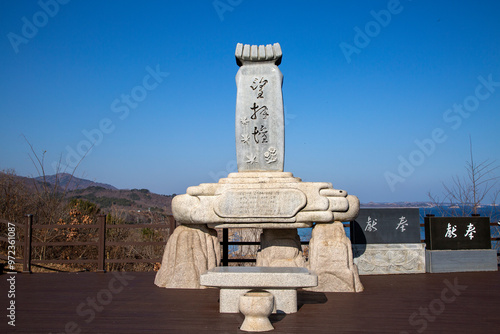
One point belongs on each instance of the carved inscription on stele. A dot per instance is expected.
(260, 203)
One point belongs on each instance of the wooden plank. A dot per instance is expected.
(77, 226)
(65, 261)
(131, 303)
(6, 258)
(64, 243)
(125, 260)
(65, 226)
(6, 222)
(133, 260)
(135, 243)
(132, 226)
(166, 225)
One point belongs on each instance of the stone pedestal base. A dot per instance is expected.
(282, 282)
(381, 259)
(330, 257)
(280, 248)
(190, 251)
(448, 261)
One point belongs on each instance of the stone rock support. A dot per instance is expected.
(280, 248)
(330, 257)
(190, 251)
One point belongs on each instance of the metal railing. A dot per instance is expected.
(101, 243)
(226, 243)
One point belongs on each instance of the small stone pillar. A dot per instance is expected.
(190, 252)
(330, 257)
(260, 122)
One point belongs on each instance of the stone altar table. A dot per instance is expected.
(282, 282)
(260, 194)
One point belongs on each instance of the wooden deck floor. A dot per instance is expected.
(131, 303)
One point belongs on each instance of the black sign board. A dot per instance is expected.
(452, 233)
(386, 226)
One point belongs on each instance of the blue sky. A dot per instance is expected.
(380, 96)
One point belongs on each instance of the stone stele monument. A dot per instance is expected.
(262, 195)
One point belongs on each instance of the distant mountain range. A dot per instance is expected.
(131, 202)
(69, 182)
(136, 205)
(397, 205)
(139, 200)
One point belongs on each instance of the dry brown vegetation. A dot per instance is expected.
(52, 204)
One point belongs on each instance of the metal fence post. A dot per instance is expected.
(172, 224)
(101, 257)
(225, 246)
(27, 245)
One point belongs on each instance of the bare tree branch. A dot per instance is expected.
(468, 193)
